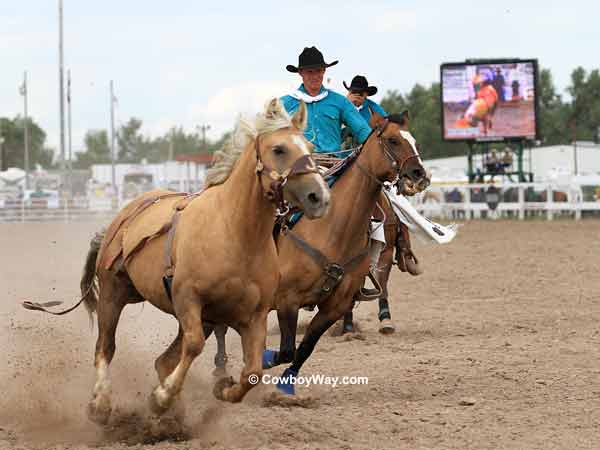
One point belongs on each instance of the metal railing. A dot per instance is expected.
(56, 210)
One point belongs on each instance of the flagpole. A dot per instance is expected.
(26, 129)
(112, 137)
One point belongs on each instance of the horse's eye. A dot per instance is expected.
(279, 150)
(394, 141)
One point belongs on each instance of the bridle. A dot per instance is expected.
(302, 166)
(397, 164)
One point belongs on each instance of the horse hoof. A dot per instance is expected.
(386, 327)
(269, 359)
(348, 328)
(220, 387)
(287, 381)
(99, 410)
(160, 401)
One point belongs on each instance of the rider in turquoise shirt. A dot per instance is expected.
(358, 91)
(327, 110)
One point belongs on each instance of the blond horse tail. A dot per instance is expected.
(89, 280)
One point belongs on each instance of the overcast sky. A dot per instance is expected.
(194, 62)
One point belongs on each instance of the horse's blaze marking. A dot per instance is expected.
(300, 142)
(413, 143)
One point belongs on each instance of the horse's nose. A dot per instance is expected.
(317, 200)
(418, 174)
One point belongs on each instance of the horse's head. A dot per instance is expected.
(401, 149)
(284, 161)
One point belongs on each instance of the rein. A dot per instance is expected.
(397, 164)
(302, 166)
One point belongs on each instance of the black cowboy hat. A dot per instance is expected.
(360, 83)
(310, 58)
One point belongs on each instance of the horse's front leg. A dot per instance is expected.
(188, 311)
(254, 335)
(328, 314)
(287, 315)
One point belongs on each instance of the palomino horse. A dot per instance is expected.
(341, 238)
(225, 260)
(324, 262)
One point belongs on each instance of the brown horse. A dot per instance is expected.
(224, 256)
(397, 239)
(324, 262)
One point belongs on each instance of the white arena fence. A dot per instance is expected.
(58, 210)
(448, 201)
(516, 200)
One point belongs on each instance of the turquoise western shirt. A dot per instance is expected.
(325, 119)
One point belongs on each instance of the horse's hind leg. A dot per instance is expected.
(348, 325)
(221, 356)
(386, 325)
(112, 299)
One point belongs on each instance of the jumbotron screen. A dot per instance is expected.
(487, 101)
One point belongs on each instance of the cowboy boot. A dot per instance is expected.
(405, 258)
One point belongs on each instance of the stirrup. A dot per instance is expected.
(370, 294)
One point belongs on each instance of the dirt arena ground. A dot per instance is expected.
(497, 347)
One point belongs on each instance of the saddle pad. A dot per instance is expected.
(150, 222)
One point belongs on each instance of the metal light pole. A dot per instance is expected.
(61, 94)
(24, 93)
(1, 152)
(204, 128)
(69, 128)
(574, 131)
(112, 137)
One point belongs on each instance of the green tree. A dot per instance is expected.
(97, 150)
(553, 113)
(131, 143)
(13, 148)
(423, 105)
(585, 103)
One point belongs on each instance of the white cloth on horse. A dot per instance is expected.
(421, 226)
(299, 95)
(377, 231)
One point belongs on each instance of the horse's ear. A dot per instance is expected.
(405, 116)
(300, 118)
(273, 108)
(376, 120)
